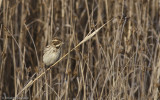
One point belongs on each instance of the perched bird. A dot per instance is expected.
(52, 52)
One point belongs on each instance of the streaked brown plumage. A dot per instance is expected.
(52, 52)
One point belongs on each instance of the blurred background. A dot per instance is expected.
(122, 61)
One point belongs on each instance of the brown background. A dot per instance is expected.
(121, 62)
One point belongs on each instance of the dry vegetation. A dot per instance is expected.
(122, 61)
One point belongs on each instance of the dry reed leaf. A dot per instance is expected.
(0, 3)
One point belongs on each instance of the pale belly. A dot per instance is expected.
(50, 59)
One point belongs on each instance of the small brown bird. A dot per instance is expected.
(52, 52)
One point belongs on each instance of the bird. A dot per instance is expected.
(52, 52)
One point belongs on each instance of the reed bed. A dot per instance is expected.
(111, 49)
